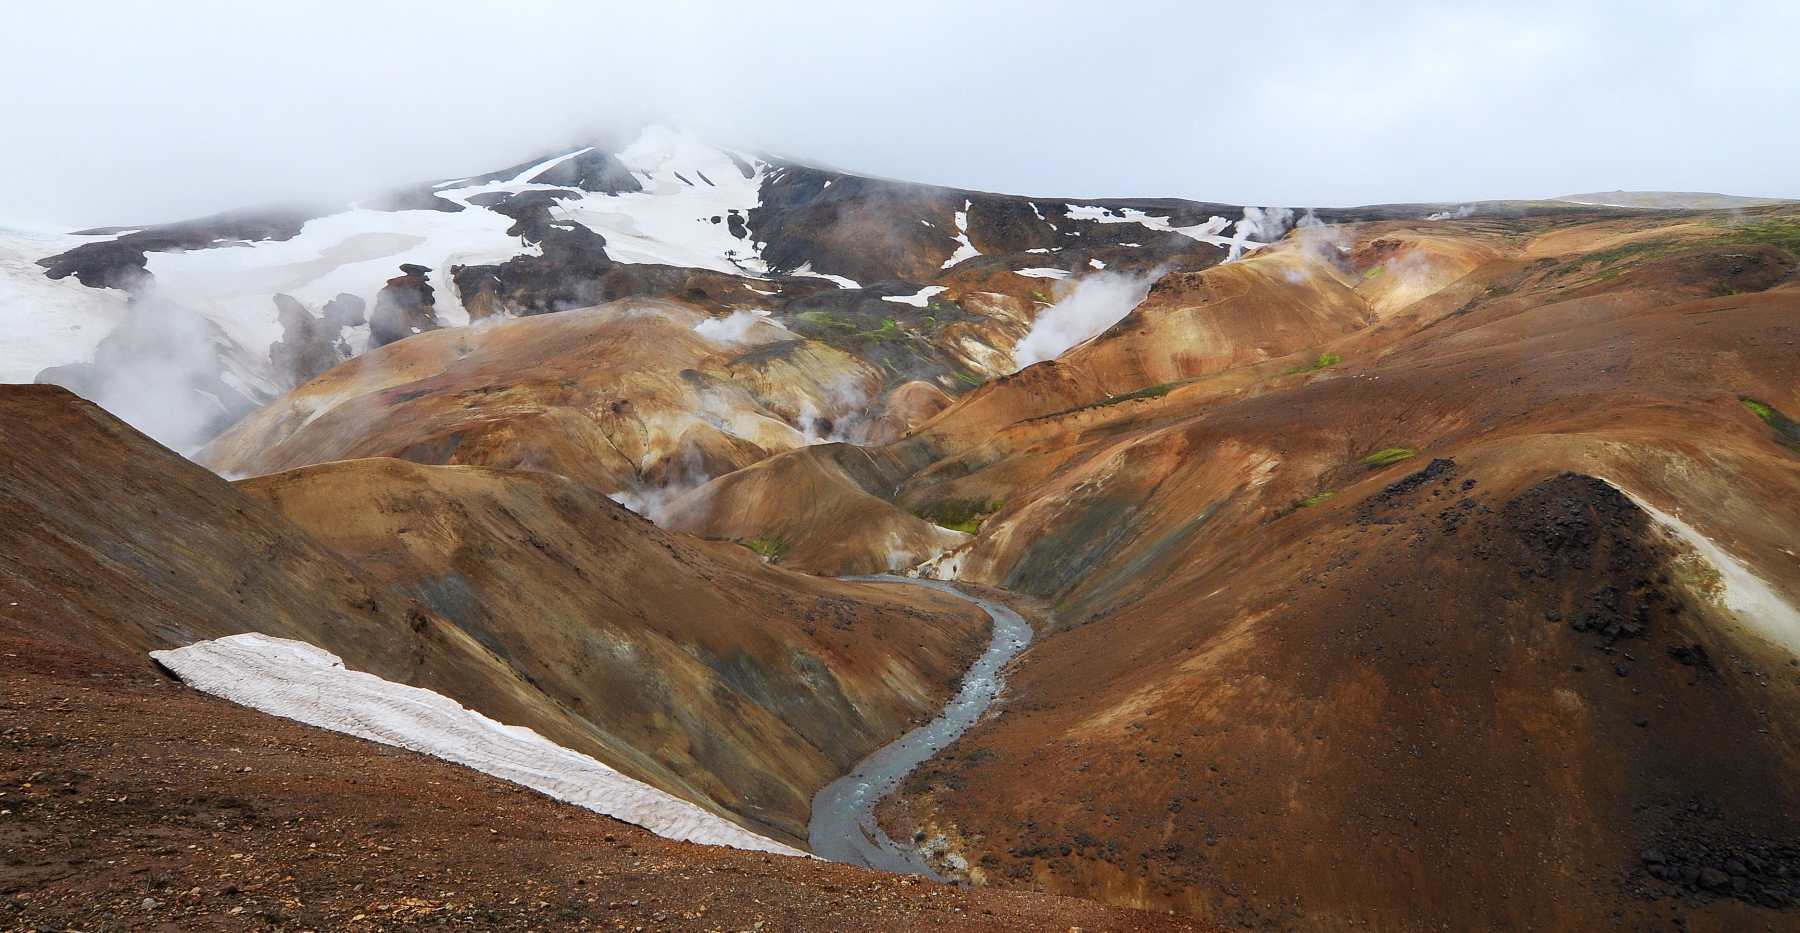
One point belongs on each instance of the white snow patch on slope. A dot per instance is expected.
(355, 251)
(48, 322)
(1743, 592)
(964, 249)
(671, 220)
(806, 269)
(295, 680)
(1043, 273)
(1208, 232)
(919, 300)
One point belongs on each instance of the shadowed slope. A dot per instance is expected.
(757, 685)
(691, 667)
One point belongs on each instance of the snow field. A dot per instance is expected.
(298, 681)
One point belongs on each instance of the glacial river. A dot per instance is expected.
(843, 826)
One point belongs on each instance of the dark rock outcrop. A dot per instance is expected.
(120, 262)
(404, 307)
(310, 345)
(594, 170)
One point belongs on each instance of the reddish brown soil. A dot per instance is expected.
(120, 788)
(1388, 707)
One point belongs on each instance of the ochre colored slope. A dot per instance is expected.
(1384, 713)
(627, 396)
(756, 685)
(1487, 691)
(118, 546)
(690, 666)
(817, 510)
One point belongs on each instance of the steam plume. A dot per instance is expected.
(1090, 306)
(1259, 226)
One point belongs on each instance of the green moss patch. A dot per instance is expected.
(771, 548)
(1388, 457)
(965, 516)
(1787, 431)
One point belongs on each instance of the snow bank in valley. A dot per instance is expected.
(295, 680)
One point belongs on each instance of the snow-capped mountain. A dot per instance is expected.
(211, 317)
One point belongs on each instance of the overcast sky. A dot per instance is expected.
(123, 113)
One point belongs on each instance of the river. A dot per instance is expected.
(843, 826)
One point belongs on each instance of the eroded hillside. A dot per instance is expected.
(693, 667)
(1422, 568)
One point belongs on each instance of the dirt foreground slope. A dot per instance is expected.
(131, 802)
(687, 665)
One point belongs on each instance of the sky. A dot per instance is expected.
(132, 113)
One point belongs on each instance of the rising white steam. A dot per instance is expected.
(733, 328)
(1086, 309)
(652, 495)
(1259, 227)
(168, 371)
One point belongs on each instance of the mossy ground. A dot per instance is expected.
(1388, 457)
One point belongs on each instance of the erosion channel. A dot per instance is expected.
(843, 826)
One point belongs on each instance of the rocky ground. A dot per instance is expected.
(131, 802)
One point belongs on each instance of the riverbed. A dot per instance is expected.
(843, 827)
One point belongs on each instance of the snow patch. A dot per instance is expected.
(1208, 232)
(295, 680)
(1742, 591)
(806, 269)
(1043, 273)
(964, 249)
(919, 300)
(49, 322)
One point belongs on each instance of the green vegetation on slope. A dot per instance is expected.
(1324, 360)
(965, 517)
(1388, 457)
(771, 549)
(1787, 430)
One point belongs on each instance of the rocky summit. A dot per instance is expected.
(1407, 567)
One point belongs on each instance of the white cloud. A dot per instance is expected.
(131, 112)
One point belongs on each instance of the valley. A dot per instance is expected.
(1412, 566)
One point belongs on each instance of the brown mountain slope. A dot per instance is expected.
(623, 397)
(820, 510)
(1378, 660)
(1403, 711)
(757, 686)
(564, 612)
(118, 546)
(118, 785)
